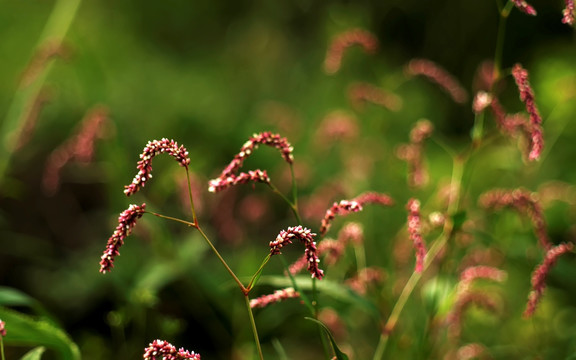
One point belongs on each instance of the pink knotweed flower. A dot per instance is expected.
(437, 74)
(343, 41)
(277, 296)
(2, 328)
(163, 350)
(360, 93)
(471, 351)
(527, 96)
(524, 7)
(525, 203)
(413, 153)
(365, 277)
(153, 148)
(351, 232)
(219, 184)
(126, 222)
(414, 230)
(264, 138)
(463, 301)
(79, 147)
(481, 101)
(343, 207)
(374, 198)
(305, 236)
(472, 273)
(539, 276)
(337, 125)
(568, 13)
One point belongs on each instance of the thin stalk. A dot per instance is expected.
(242, 287)
(194, 220)
(55, 30)
(253, 325)
(172, 218)
(290, 203)
(439, 243)
(500, 41)
(256, 275)
(2, 348)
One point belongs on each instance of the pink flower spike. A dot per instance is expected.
(219, 184)
(305, 236)
(360, 93)
(277, 296)
(342, 208)
(539, 276)
(568, 13)
(2, 328)
(527, 96)
(374, 198)
(414, 229)
(437, 74)
(343, 41)
(479, 272)
(126, 222)
(163, 350)
(153, 148)
(524, 7)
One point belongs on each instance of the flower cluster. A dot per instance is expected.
(360, 93)
(364, 278)
(371, 197)
(539, 275)
(2, 328)
(126, 222)
(305, 236)
(338, 208)
(413, 153)
(144, 166)
(335, 52)
(229, 176)
(527, 96)
(568, 13)
(525, 203)
(414, 230)
(163, 350)
(277, 296)
(463, 301)
(479, 272)
(79, 147)
(436, 74)
(524, 7)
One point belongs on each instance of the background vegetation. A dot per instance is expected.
(209, 74)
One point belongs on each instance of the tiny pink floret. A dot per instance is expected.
(307, 238)
(144, 166)
(163, 350)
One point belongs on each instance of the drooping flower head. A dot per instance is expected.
(343, 41)
(303, 234)
(343, 207)
(153, 148)
(277, 296)
(437, 74)
(525, 7)
(230, 176)
(568, 13)
(525, 203)
(163, 350)
(360, 93)
(413, 153)
(126, 222)
(540, 274)
(527, 96)
(2, 328)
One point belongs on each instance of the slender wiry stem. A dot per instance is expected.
(253, 325)
(191, 197)
(242, 287)
(439, 243)
(504, 12)
(2, 348)
(172, 218)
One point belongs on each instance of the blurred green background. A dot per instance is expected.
(208, 74)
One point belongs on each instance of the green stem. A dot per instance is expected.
(54, 32)
(500, 41)
(439, 243)
(242, 287)
(172, 218)
(2, 347)
(194, 220)
(253, 325)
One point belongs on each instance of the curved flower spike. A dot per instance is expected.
(144, 166)
(163, 350)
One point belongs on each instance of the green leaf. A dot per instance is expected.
(27, 331)
(13, 297)
(339, 354)
(34, 354)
